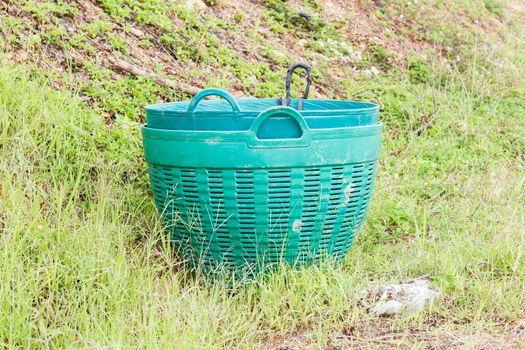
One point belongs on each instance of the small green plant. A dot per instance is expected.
(495, 7)
(117, 42)
(96, 28)
(43, 10)
(380, 56)
(12, 28)
(55, 35)
(116, 9)
(214, 3)
(418, 70)
(239, 16)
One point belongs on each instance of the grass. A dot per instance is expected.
(84, 262)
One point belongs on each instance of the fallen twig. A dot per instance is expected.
(130, 68)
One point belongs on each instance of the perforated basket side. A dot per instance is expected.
(238, 219)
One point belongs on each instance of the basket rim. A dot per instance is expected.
(166, 108)
(240, 135)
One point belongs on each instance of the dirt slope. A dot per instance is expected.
(243, 45)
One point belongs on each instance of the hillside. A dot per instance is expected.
(84, 261)
(244, 46)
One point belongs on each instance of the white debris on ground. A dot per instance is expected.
(370, 73)
(405, 298)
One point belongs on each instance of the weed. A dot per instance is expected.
(494, 7)
(213, 3)
(96, 28)
(379, 55)
(418, 70)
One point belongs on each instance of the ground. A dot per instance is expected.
(84, 261)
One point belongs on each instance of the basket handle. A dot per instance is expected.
(213, 92)
(302, 141)
(289, 73)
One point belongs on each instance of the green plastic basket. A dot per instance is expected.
(236, 203)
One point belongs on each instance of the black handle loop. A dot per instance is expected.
(289, 79)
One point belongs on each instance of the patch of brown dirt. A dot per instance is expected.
(298, 340)
(380, 334)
